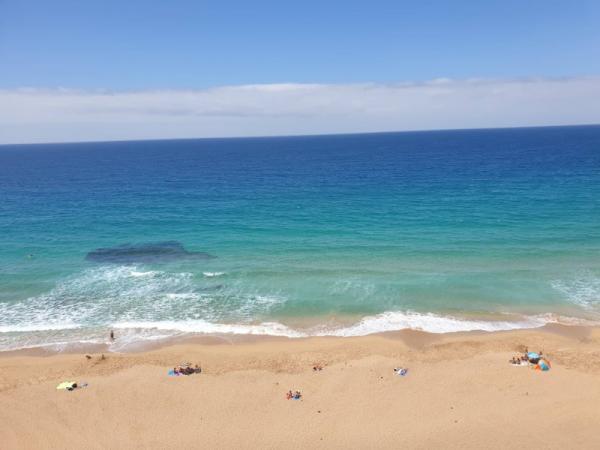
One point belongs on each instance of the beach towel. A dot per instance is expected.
(173, 374)
(401, 371)
(66, 385)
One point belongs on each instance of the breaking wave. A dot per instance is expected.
(148, 305)
(582, 290)
(213, 274)
(99, 297)
(388, 321)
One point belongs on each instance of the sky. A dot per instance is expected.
(103, 70)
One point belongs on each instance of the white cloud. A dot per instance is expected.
(51, 115)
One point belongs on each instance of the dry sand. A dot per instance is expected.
(460, 392)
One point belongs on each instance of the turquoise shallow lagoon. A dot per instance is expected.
(344, 235)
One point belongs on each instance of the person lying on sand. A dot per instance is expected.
(317, 367)
(186, 369)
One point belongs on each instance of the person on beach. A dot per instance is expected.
(112, 335)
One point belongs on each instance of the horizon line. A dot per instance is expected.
(308, 135)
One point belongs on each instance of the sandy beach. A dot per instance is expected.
(460, 392)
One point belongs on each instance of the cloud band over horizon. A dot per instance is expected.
(34, 115)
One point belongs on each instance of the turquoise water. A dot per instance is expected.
(345, 235)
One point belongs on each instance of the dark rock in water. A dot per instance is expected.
(144, 253)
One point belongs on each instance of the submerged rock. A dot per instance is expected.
(145, 253)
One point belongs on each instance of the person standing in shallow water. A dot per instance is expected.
(112, 335)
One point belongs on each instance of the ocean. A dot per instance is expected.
(339, 235)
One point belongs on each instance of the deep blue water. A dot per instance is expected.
(343, 234)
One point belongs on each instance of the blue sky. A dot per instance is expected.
(131, 44)
(90, 70)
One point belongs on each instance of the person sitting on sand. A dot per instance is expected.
(289, 395)
(197, 369)
(297, 395)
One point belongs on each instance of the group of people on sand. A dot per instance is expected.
(293, 395)
(519, 360)
(186, 369)
(526, 358)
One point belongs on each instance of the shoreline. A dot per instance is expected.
(410, 339)
(460, 392)
(138, 337)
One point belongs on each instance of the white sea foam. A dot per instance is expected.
(213, 274)
(149, 273)
(152, 304)
(96, 298)
(388, 321)
(582, 290)
(202, 326)
(432, 323)
(38, 327)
